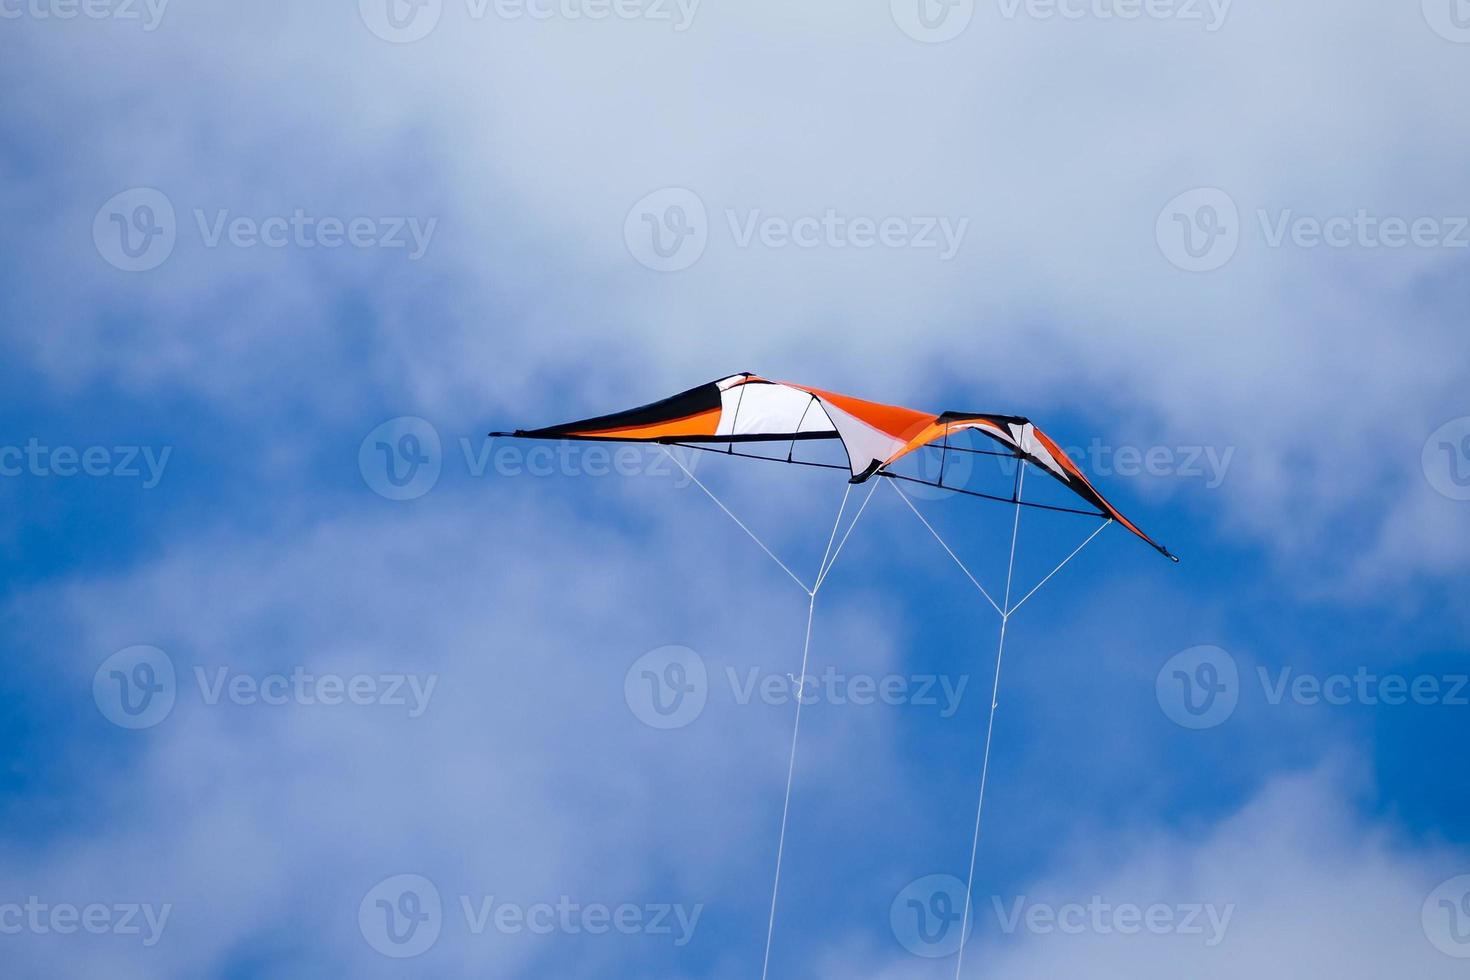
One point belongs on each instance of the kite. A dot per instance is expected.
(745, 410)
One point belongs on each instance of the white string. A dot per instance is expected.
(1000, 650)
(806, 646)
(822, 569)
(737, 520)
(827, 565)
(947, 548)
(1049, 574)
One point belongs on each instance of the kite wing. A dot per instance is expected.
(747, 408)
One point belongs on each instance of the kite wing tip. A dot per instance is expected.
(1168, 554)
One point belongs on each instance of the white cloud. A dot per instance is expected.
(528, 778)
(1299, 883)
(1060, 141)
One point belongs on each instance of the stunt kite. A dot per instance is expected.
(746, 409)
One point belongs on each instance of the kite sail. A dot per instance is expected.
(745, 408)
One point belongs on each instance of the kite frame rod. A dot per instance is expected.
(990, 496)
(962, 449)
(769, 459)
(908, 479)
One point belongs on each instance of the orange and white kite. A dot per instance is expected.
(744, 408)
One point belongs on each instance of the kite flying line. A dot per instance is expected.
(829, 559)
(744, 408)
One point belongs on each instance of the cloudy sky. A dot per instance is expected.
(305, 676)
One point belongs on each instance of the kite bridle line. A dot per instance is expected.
(1005, 609)
(829, 560)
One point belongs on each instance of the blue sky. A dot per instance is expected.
(1217, 237)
